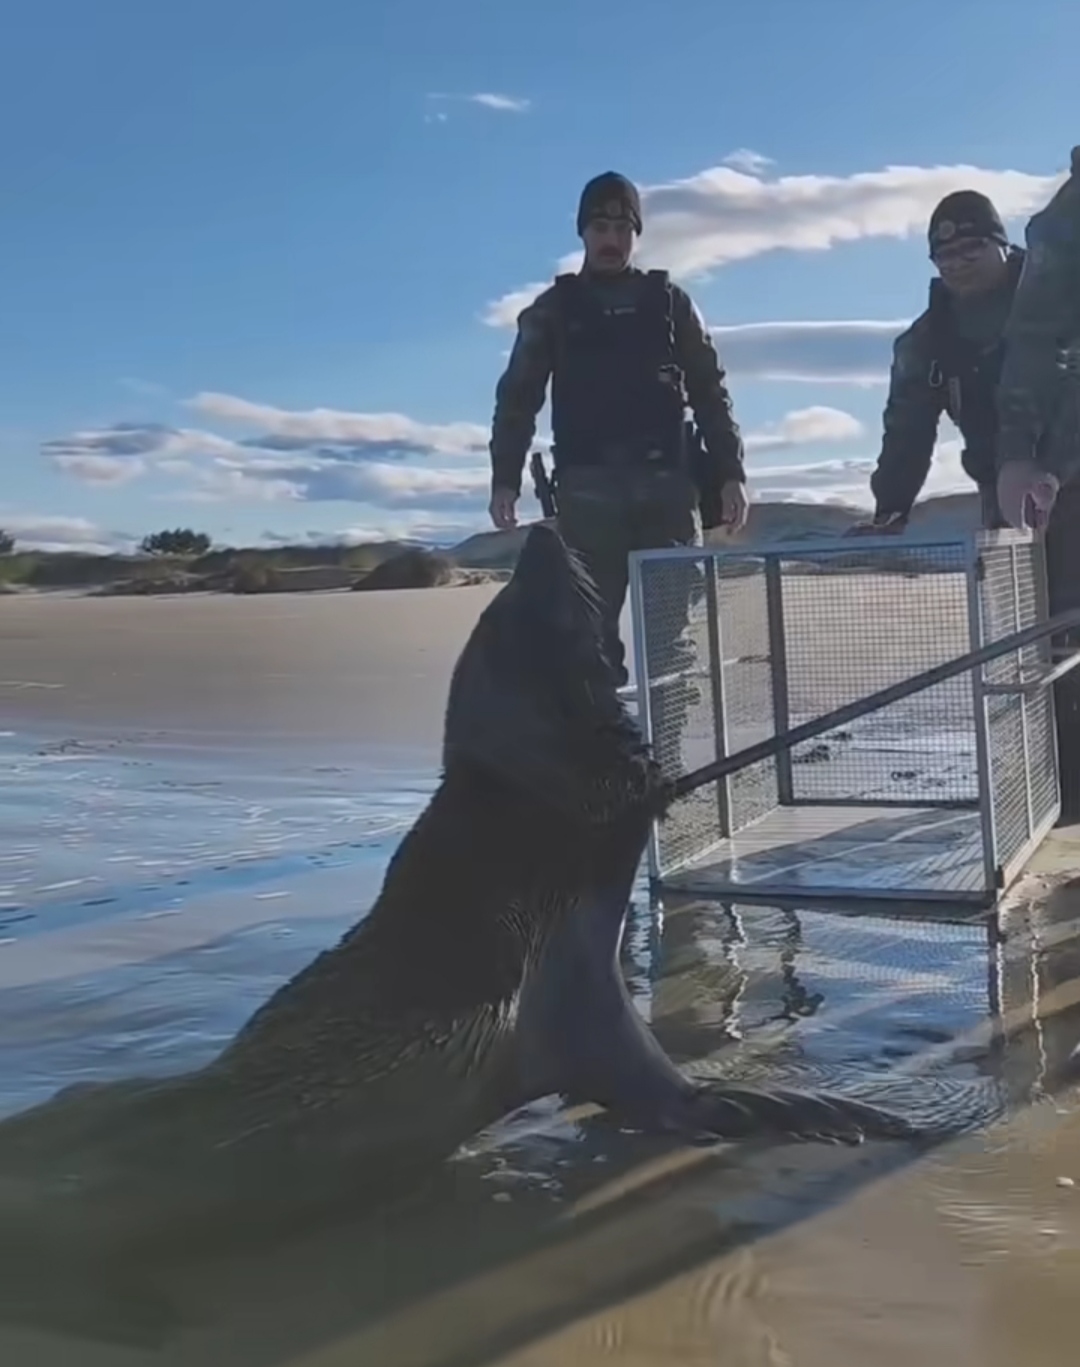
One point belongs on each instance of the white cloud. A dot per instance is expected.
(843, 351)
(402, 526)
(752, 163)
(112, 455)
(95, 469)
(45, 532)
(506, 103)
(804, 427)
(230, 485)
(389, 463)
(503, 312)
(848, 481)
(723, 215)
(285, 429)
(503, 104)
(333, 480)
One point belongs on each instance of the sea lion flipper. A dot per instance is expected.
(94, 1304)
(732, 1112)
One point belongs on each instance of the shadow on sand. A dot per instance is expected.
(559, 1214)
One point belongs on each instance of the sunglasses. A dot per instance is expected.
(968, 249)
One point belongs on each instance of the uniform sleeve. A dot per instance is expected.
(1044, 318)
(909, 424)
(520, 393)
(706, 388)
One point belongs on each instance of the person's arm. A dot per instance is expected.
(519, 395)
(707, 390)
(909, 426)
(1043, 322)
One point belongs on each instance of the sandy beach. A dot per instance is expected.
(316, 670)
(193, 814)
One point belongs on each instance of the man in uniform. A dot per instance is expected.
(627, 353)
(948, 361)
(1039, 394)
(1038, 398)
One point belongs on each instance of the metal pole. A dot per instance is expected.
(976, 580)
(714, 637)
(778, 676)
(644, 697)
(1025, 736)
(766, 749)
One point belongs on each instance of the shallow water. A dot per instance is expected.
(151, 897)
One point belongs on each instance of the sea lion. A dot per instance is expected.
(486, 975)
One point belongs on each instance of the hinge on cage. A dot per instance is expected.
(980, 567)
(999, 877)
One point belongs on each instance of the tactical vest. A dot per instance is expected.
(968, 375)
(618, 393)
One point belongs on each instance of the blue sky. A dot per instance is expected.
(259, 262)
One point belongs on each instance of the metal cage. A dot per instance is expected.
(942, 796)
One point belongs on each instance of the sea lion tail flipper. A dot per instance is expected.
(732, 1112)
(90, 1303)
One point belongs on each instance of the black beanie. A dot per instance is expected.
(965, 213)
(603, 191)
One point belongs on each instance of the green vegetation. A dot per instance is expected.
(181, 561)
(180, 541)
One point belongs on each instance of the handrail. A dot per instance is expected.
(766, 749)
(1038, 679)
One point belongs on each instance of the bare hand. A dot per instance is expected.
(734, 505)
(891, 524)
(503, 509)
(1026, 495)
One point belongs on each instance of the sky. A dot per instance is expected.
(260, 261)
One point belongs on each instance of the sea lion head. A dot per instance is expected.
(534, 693)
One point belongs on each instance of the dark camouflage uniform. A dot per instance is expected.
(607, 509)
(1039, 391)
(922, 389)
(1039, 420)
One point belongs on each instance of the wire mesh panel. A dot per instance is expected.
(1019, 717)
(750, 706)
(855, 622)
(679, 694)
(925, 798)
(706, 675)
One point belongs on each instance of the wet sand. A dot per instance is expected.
(326, 668)
(583, 1248)
(660, 1256)
(317, 670)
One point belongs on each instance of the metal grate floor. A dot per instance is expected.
(913, 853)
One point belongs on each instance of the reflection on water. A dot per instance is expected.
(148, 904)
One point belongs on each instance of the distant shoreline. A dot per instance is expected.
(486, 557)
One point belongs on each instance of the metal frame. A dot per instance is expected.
(971, 546)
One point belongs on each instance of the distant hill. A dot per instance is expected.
(306, 568)
(490, 550)
(767, 523)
